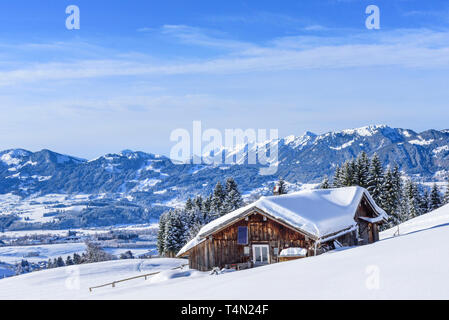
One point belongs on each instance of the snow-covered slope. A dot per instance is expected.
(412, 266)
(74, 282)
(430, 220)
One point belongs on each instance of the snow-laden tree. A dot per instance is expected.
(425, 202)
(207, 204)
(436, 200)
(337, 182)
(233, 198)
(198, 203)
(69, 261)
(189, 204)
(388, 196)
(23, 267)
(161, 233)
(281, 187)
(77, 259)
(95, 253)
(361, 168)
(347, 173)
(376, 179)
(175, 233)
(233, 201)
(218, 199)
(412, 199)
(325, 184)
(446, 195)
(60, 262)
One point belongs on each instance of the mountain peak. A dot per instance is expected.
(127, 151)
(310, 134)
(364, 131)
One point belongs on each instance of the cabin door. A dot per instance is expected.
(371, 233)
(261, 254)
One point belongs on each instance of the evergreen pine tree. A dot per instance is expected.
(175, 233)
(198, 203)
(94, 253)
(325, 184)
(60, 262)
(207, 204)
(376, 179)
(392, 195)
(189, 204)
(282, 187)
(361, 174)
(233, 198)
(161, 234)
(69, 261)
(337, 182)
(347, 173)
(77, 258)
(425, 202)
(388, 199)
(218, 199)
(411, 200)
(446, 195)
(435, 198)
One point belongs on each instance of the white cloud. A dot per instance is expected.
(401, 48)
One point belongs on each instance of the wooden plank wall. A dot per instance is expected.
(222, 249)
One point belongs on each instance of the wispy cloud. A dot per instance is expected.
(401, 48)
(203, 37)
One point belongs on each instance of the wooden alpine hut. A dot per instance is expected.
(285, 227)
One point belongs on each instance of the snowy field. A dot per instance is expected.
(413, 265)
(80, 232)
(33, 209)
(74, 282)
(435, 218)
(39, 253)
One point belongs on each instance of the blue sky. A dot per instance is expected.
(136, 70)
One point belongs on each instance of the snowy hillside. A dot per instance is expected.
(412, 266)
(74, 282)
(436, 218)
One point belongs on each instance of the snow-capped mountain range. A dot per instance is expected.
(152, 181)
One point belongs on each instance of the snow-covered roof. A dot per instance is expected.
(318, 213)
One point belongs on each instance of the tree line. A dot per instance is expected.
(401, 198)
(178, 226)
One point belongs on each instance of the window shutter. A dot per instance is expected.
(242, 235)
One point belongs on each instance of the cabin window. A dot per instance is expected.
(246, 251)
(242, 235)
(261, 254)
(276, 251)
